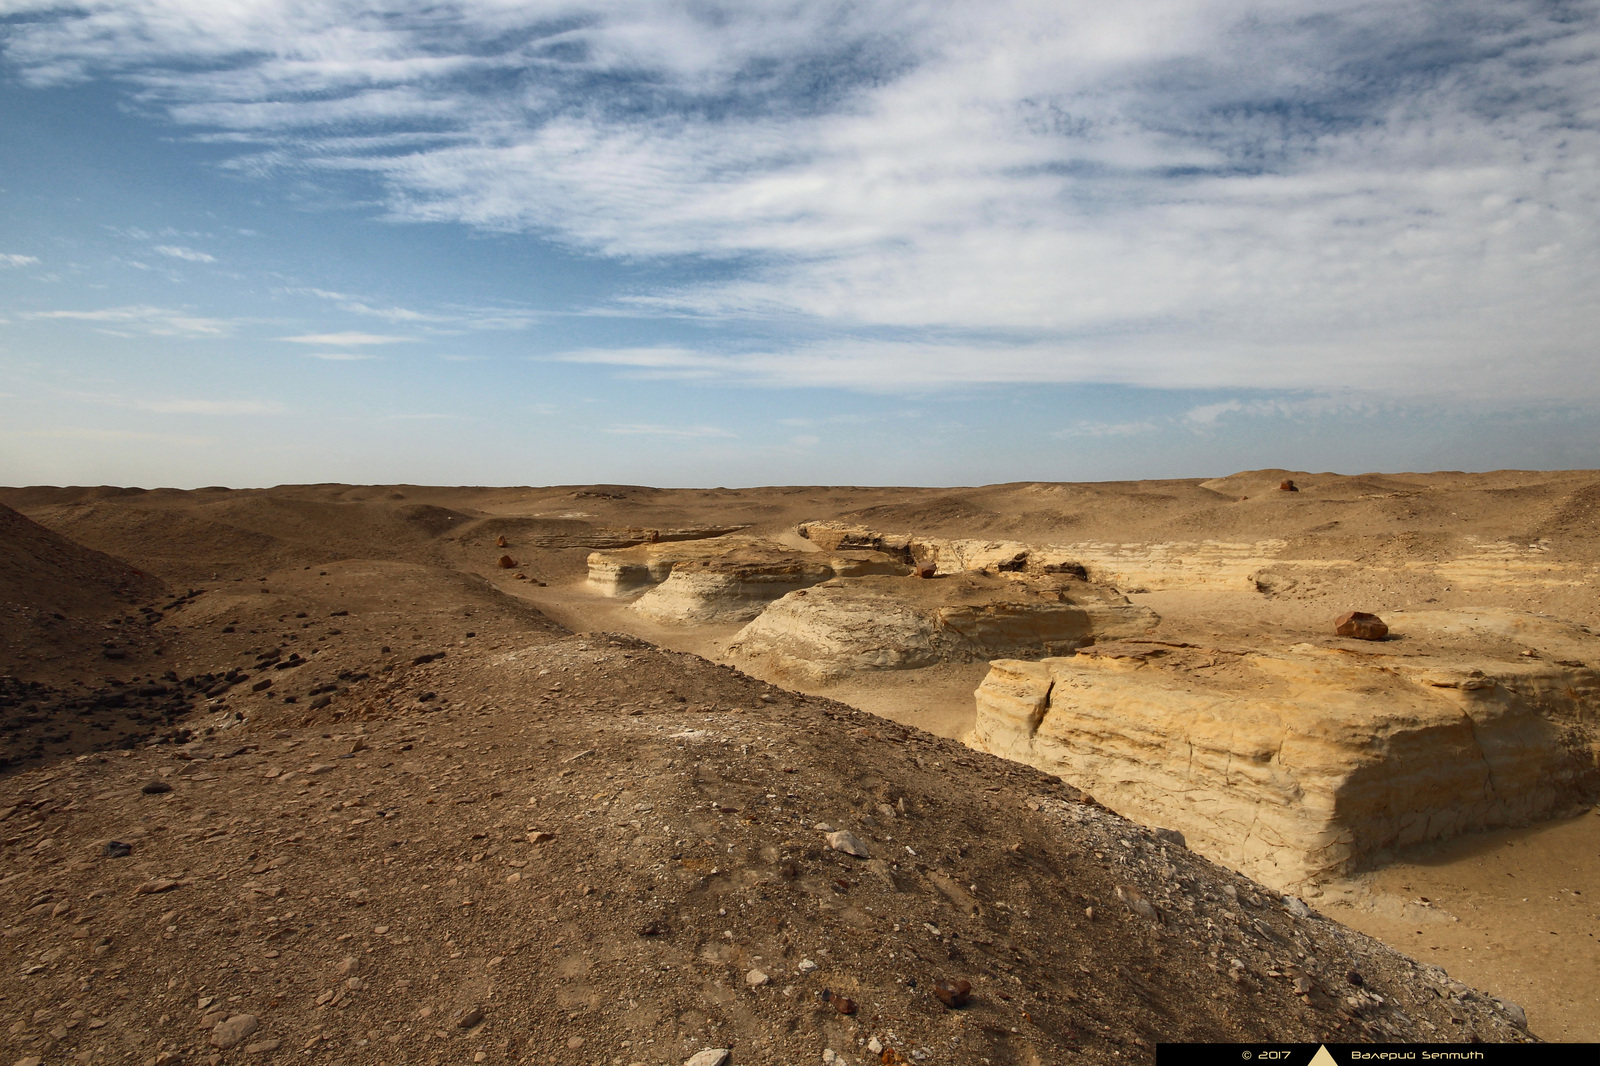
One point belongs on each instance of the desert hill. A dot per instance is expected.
(433, 786)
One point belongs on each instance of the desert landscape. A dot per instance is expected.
(608, 774)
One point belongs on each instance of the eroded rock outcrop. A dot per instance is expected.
(880, 623)
(1300, 765)
(730, 579)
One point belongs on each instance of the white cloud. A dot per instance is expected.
(189, 254)
(341, 357)
(179, 405)
(1105, 429)
(349, 338)
(86, 433)
(668, 432)
(154, 321)
(11, 259)
(1211, 193)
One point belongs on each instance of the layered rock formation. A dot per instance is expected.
(729, 579)
(1267, 565)
(1301, 765)
(883, 623)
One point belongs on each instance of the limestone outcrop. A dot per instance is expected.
(726, 580)
(847, 625)
(1270, 565)
(1300, 765)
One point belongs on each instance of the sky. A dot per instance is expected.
(254, 242)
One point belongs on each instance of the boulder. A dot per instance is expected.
(507, 563)
(1288, 486)
(840, 627)
(1360, 625)
(1300, 765)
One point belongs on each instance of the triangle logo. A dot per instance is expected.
(1323, 1057)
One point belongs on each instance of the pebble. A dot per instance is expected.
(875, 1046)
(160, 884)
(1296, 907)
(232, 1033)
(711, 1056)
(849, 843)
(953, 994)
(755, 978)
(260, 1047)
(574, 1042)
(472, 1017)
(807, 966)
(1135, 901)
(156, 788)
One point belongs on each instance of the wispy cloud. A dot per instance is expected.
(341, 357)
(178, 405)
(1105, 429)
(11, 259)
(668, 432)
(1216, 193)
(349, 338)
(188, 254)
(113, 435)
(154, 321)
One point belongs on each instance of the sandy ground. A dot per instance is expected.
(1517, 911)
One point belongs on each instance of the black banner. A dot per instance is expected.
(1376, 1054)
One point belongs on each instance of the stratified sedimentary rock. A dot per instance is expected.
(882, 623)
(730, 579)
(1300, 765)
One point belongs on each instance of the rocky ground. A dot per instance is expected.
(365, 798)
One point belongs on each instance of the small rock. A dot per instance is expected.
(1288, 486)
(1360, 625)
(262, 685)
(875, 1046)
(500, 541)
(1518, 1016)
(1296, 907)
(844, 1005)
(953, 994)
(160, 884)
(540, 837)
(574, 1042)
(261, 1047)
(116, 849)
(471, 1018)
(1088, 912)
(711, 1056)
(1170, 836)
(1135, 902)
(1302, 986)
(823, 827)
(849, 843)
(156, 788)
(348, 965)
(807, 966)
(318, 768)
(507, 563)
(755, 979)
(232, 1033)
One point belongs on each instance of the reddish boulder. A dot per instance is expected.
(500, 541)
(1288, 486)
(507, 563)
(1360, 625)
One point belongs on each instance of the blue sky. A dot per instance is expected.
(270, 241)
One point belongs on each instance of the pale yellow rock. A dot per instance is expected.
(730, 579)
(849, 625)
(1300, 765)
(1204, 565)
